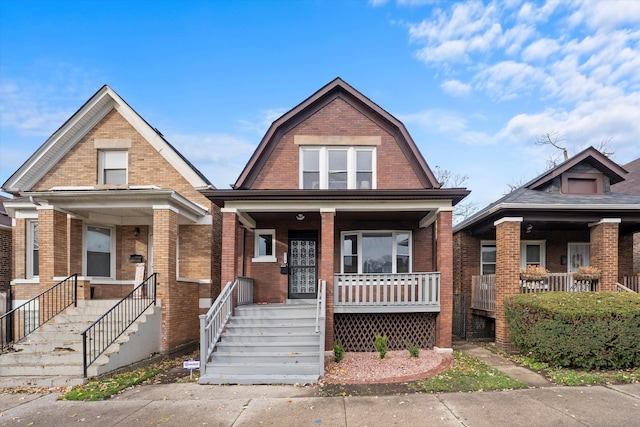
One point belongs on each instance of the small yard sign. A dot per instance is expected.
(191, 365)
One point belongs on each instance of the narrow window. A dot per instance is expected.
(402, 252)
(98, 241)
(310, 169)
(364, 169)
(33, 257)
(350, 253)
(338, 169)
(112, 167)
(488, 258)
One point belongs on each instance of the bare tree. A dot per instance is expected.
(446, 178)
(603, 147)
(553, 138)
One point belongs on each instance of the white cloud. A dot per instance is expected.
(219, 157)
(260, 125)
(508, 79)
(456, 87)
(605, 14)
(540, 50)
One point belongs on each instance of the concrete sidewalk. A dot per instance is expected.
(190, 404)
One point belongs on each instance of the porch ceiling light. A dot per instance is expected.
(136, 231)
(300, 217)
(529, 228)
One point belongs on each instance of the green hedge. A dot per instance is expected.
(589, 330)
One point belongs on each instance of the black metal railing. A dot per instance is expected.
(21, 321)
(106, 330)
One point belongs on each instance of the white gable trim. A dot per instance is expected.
(85, 119)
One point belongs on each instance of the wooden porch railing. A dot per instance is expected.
(632, 282)
(483, 288)
(403, 292)
(483, 292)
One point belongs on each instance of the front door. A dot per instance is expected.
(303, 264)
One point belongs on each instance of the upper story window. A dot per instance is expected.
(112, 167)
(337, 168)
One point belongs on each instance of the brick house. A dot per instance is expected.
(338, 192)
(631, 185)
(566, 218)
(5, 247)
(105, 197)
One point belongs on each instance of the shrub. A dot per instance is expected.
(381, 345)
(338, 352)
(413, 350)
(586, 330)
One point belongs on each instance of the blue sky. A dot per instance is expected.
(475, 83)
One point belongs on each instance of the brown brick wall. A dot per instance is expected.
(604, 254)
(146, 166)
(5, 258)
(445, 267)
(19, 249)
(507, 275)
(625, 256)
(336, 118)
(327, 267)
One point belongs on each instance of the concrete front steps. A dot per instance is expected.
(52, 355)
(267, 344)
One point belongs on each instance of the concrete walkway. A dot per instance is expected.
(517, 372)
(190, 404)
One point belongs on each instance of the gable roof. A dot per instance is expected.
(590, 155)
(529, 198)
(81, 122)
(337, 88)
(631, 184)
(5, 221)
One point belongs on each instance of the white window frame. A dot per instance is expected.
(31, 224)
(351, 165)
(112, 250)
(257, 257)
(394, 250)
(523, 252)
(484, 243)
(102, 166)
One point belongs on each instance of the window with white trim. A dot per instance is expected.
(33, 250)
(578, 254)
(264, 245)
(488, 257)
(112, 167)
(99, 244)
(532, 252)
(376, 252)
(337, 168)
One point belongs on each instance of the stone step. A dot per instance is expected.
(265, 368)
(232, 357)
(257, 379)
(48, 382)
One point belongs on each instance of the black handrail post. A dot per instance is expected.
(75, 290)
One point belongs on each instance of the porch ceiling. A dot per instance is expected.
(313, 216)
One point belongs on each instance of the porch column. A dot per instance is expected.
(52, 237)
(444, 258)
(604, 251)
(230, 245)
(180, 308)
(326, 270)
(507, 273)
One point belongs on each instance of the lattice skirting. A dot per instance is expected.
(356, 332)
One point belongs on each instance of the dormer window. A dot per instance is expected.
(112, 166)
(337, 168)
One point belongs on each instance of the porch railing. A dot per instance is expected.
(632, 282)
(386, 292)
(483, 292)
(321, 314)
(213, 323)
(106, 330)
(21, 321)
(618, 287)
(483, 288)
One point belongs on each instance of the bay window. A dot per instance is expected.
(376, 252)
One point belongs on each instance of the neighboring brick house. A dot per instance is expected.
(103, 193)
(338, 191)
(566, 218)
(5, 248)
(631, 185)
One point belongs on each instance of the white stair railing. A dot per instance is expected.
(321, 314)
(213, 323)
